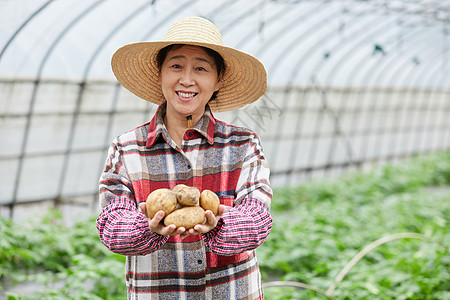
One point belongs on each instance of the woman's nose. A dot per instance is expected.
(187, 78)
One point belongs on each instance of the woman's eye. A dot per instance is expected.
(201, 69)
(176, 66)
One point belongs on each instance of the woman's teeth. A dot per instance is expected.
(186, 95)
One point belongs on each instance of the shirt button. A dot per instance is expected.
(189, 167)
(199, 261)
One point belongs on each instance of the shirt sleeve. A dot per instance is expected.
(247, 224)
(121, 226)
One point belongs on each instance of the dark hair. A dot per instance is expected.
(218, 60)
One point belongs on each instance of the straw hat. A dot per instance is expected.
(244, 80)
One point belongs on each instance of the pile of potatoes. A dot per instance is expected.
(183, 206)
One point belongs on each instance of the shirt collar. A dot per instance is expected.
(157, 127)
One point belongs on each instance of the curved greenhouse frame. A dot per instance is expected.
(351, 83)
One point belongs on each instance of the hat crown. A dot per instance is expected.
(194, 29)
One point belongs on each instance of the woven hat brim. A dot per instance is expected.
(244, 80)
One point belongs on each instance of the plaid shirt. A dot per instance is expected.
(220, 264)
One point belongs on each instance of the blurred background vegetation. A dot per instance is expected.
(318, 228)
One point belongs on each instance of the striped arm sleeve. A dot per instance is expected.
(247, 224)
(241, 228)
(125, 231)
(121, 226)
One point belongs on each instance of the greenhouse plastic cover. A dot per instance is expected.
(350, 83)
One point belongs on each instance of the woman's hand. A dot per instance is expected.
(156, 225)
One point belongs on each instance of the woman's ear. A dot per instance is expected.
(218, 84)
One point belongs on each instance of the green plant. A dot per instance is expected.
(71, 261)
(321, 225)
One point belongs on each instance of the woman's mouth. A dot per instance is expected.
(186, 95)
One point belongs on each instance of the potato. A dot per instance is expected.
(210, 201)
(161, 199)
(186, 217)
(186, 195)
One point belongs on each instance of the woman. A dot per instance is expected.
(189, 75)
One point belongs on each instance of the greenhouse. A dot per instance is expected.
(355, 120)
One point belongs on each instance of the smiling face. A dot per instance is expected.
(188, 79)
